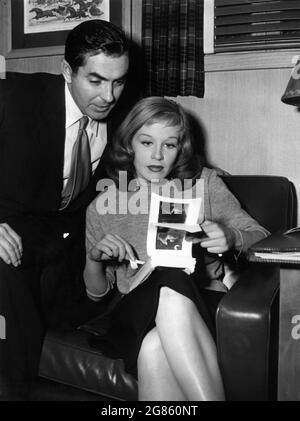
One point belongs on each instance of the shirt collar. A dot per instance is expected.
(73, 113)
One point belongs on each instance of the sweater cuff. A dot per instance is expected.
(97, 297)
(238, 242)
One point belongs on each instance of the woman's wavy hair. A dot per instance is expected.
(146, 112)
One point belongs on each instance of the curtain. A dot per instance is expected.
(172, 40)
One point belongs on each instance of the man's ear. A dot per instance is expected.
(66, 71)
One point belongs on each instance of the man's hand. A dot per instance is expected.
(112, 246)
(219, 238)
(10, 245)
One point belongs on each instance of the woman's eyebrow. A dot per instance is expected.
(148, 135)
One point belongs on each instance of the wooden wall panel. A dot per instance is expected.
(49, 64)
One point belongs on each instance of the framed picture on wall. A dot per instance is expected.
(39, 27)
(42, 16)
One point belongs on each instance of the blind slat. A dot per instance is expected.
(263, 45)
(264, 39)
(220, 3)
(251, 17)
(255, 8)
(244, 29)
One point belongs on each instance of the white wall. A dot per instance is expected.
(248, 129)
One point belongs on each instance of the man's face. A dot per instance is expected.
(98, 84)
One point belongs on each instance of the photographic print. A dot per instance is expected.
(61, 15)
(163, 237)
(172, 212)
(166, 242)
(169, 239)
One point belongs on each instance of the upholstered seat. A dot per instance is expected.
(69, 359)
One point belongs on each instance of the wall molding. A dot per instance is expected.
(250, 60)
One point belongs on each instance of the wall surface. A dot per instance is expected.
(248, 130)
(48, 64)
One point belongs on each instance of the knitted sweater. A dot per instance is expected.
(219, 206)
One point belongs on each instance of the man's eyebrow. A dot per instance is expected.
(97, 75)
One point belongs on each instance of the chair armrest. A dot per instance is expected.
(244, 321)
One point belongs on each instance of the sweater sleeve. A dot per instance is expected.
(226, 210)
(93, 234)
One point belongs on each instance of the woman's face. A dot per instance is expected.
(155, 148)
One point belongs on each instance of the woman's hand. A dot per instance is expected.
(112, 246)
(11, 248)
(219, 237)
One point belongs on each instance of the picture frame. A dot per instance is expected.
(14, 43)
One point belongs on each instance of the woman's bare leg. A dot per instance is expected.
(155, 378)
(189, 347)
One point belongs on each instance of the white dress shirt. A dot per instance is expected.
(96, 131)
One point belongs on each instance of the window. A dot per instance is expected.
(245, 25)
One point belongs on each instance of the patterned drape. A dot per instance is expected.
(172, 42)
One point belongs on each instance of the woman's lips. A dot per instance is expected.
(155, 168)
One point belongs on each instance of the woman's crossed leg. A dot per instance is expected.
(178, 358)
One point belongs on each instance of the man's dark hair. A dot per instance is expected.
(91, 38)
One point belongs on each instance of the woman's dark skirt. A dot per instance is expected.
(134, 315)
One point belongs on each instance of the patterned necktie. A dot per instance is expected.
(80, 172)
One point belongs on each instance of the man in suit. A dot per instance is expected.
(46, 184)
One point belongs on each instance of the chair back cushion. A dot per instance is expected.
(271, 200)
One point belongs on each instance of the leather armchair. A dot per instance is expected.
(247, 316)
(246, 321)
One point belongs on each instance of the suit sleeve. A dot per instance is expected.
(1, 105)
(2, 202)
(7, 208)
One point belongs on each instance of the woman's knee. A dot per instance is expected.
(175, 308)
(171, 298)
(151, 346)
(166, 292)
